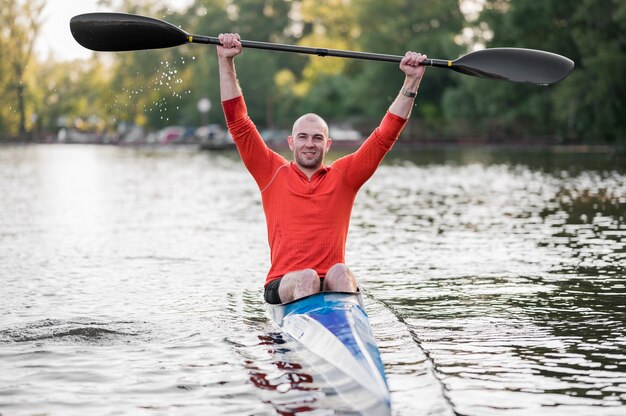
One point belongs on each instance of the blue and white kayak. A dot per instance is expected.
(334, 327)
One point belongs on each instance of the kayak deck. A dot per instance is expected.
(334, 327)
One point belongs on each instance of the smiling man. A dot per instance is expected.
(309, 142)
(308, 204)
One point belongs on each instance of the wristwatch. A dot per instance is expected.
(408, 93)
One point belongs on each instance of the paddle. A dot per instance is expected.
(127, 32)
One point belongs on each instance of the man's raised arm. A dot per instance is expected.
(413, 73)
(226, 52)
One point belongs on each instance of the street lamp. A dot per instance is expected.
(204, 105)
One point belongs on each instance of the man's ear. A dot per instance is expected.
(290, 141)
(328, 142)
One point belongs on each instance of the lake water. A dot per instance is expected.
(130, 283)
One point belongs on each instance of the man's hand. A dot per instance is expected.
(230, 45)
(410, 65)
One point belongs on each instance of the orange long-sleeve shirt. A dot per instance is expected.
(307, 220)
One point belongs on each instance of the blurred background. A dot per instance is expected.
(53, 90)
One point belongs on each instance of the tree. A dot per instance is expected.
(198, 61)
(267, 21)
(20, 22)
(588, 106)
(318, 84)
(70, 92)
(427, 26)
(162, 87)
(338, 88)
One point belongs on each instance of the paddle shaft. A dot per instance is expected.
(210, 40)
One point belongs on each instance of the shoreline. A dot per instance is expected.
(399, 146)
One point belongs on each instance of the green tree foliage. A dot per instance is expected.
(427, 26)
(320, 84)
(20, 22)
(71, 94)
(209, 17)
(343, 89)
(162, 87)
(587, 106)
(267, 21)
(147, 87)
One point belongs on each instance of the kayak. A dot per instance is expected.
(334, 331)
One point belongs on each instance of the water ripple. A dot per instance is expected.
(72, 331)
(131, 283)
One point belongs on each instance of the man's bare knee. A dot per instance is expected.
(339, 278)
(296, 285)
(308, 281)
(338, 270)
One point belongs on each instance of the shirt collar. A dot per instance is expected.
(321, 171)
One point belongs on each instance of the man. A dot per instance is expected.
(308, 204)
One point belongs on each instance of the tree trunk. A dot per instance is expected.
(21, 109)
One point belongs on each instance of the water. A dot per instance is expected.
(131, 282)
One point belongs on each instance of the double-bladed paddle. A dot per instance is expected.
(115, 32)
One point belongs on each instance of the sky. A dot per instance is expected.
(55, 37)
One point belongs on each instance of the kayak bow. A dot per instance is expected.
(334, 327)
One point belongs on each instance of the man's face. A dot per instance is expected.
(309, 142)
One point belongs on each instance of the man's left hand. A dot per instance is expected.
(410, 64)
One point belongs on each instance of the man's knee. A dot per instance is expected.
(340, 278)
(309, 279)
(299, 284)
(338, 270)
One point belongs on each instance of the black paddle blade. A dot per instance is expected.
(113, 32)
(515, 64)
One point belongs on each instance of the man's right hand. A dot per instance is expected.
(230, 45)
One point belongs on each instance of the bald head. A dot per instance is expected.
(309, 118)
(309, 142)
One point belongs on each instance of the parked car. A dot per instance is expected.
(131, 133)
(213, 136)
(272, 136)
(170, 134)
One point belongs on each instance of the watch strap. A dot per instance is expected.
(408, 93)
